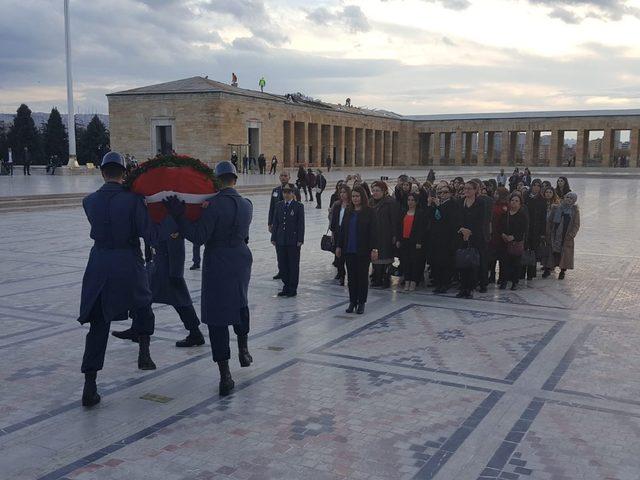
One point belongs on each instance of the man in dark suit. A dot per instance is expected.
(277, 196)
(287, 235)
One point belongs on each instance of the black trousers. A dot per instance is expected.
(441, 275)
(512, 268)
(411, 262)
(272, 170)
(289, 267)
(188, 316)
(468, 279)
(219, 337)
(483, 269)
(96, 340)
(358, 277)
(26, 169)
(338, 262)
(319, 199)
(196, 254)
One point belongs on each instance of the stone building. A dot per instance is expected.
(209, 120)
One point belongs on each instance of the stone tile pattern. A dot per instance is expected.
(433, 338)
(307, 421)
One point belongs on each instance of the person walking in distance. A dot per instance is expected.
(26, 169)
(321, 184)
(287, 235)
(223, 229)
(274, 165)
(115, 281)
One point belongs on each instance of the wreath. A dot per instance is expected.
(186, 177)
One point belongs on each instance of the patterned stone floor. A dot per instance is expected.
(541, 383)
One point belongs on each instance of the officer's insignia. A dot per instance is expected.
(174, 235)
(291, 213)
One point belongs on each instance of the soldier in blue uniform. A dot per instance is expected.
(115, 281)
(277, 196)
(223, 229)
(166, 278)
(287, 235)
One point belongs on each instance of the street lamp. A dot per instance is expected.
(71, 124)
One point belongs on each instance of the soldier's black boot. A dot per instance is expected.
(226, 382)
(194, 339)
(90, 395)
(144, 356)
(127, 334)
(243, 351)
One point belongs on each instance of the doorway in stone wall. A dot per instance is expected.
(253, 139)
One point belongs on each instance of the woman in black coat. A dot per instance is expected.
(336, 220)
(444, 221)
(471, 234)
(537, 212)
(387, 213)
(412, 243)
(357, 243)
(513, 229)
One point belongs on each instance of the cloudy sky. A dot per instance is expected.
(409, 56)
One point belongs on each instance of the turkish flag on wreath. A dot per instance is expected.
(188, 178)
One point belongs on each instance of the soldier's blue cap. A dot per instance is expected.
(225, 168)
(113, 157)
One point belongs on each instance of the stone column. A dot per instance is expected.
(528, 148)
(557, 147)
(468, 147)
(435, 147)
(481, 148)
(490, 158)
(582, 148)
(447, 147)
(536, 147)
(351, 146)
(368, 147)
(377, 157)
(330, 146)
(458, 147)
(634, 148)
(505, 137)
(360, 146)
(304, 142)
(288, 143)
(388, 148)
(339, 143)
(607, 147)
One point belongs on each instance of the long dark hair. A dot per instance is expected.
(364, 198)
(565, 190)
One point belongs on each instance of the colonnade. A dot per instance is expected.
(311, 143)
(499, 147)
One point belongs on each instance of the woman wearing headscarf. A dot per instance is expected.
(562, 187)
(537, 209)
(387, 218)
(564, 224)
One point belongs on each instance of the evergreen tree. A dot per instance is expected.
(56, 142)
(23, 133)
(93, 142)
(4, 143)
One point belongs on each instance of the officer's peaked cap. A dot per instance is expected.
(113, 157)
(225, 168)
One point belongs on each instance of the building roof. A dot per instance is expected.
(206, 85)
(523, 115)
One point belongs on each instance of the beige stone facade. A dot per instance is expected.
(209, 120)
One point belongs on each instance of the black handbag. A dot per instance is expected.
(542, 251)
(326, 243)
(468, 257)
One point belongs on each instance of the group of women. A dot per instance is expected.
(450, 233)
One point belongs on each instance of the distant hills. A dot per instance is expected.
(41, 117)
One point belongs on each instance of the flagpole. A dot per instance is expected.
(71, 125)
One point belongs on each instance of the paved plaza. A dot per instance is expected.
(542, 383)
